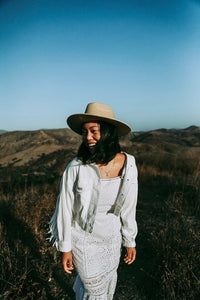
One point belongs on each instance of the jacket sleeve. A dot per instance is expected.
(60, 224)
(128, 211)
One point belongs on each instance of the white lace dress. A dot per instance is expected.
(96, 255)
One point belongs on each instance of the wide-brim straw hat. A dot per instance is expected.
(96, 112)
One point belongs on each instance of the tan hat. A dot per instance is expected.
(97, 112)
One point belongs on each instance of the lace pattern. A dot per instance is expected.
(96, 255)
(104, 292)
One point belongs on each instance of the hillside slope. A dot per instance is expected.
(22, 148)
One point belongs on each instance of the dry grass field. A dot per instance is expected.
(168, 214)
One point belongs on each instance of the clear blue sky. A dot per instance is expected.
(142, 57)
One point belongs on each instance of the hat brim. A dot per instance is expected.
(76, 121)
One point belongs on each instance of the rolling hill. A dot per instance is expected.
(21, 148)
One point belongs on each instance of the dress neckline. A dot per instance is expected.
(111, 178)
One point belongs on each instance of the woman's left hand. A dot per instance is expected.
(130, 255)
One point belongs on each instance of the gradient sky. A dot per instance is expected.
(142, 57)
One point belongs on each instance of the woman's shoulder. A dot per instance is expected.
(72, 169)
(74, 163)
(129, 157)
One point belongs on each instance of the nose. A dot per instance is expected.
(89, 135)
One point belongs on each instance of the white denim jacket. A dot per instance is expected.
(78, 200)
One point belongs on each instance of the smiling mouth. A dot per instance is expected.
(91, 145)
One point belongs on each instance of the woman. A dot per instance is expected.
(95, 211)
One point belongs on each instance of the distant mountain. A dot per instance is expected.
(20, 147)
(193, 127)
(177, 137)
(2, 131)
(54, 147)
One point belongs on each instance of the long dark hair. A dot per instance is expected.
(105, 149)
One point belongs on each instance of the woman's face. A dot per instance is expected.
(91, 134)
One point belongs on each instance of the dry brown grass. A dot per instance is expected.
(168, 243)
